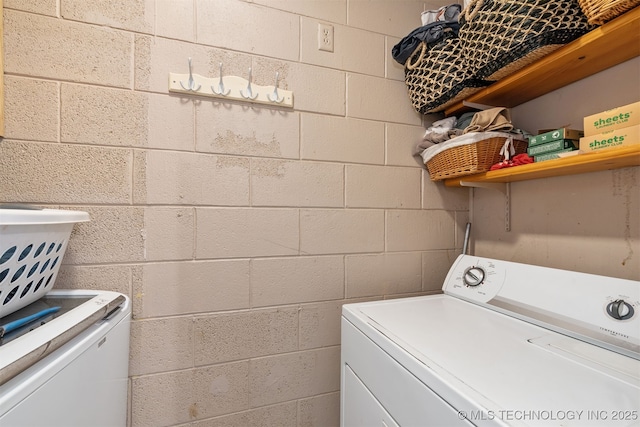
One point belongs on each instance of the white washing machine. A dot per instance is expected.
(70, 367)
(507, 344)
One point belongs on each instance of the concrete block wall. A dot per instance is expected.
(588, 222)
(237, 230)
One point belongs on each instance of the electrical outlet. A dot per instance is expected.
(325, 37)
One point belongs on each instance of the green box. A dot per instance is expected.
(551, 156)
(555, 135)
(552, 146)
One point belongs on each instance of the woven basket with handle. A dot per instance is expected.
(470, 159)
(498, 37)
(437, 77)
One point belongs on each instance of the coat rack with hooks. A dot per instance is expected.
(231, 87)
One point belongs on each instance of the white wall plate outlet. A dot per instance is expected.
(325, 37)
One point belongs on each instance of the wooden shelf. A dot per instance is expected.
(608, 45)
(612, 158)
(615, 42)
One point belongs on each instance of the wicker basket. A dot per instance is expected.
(469, 159)
(601, 11)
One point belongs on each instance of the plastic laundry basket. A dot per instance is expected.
(32, 244)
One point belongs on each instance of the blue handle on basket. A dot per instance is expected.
(11, 326)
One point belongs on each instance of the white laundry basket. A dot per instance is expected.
(32, 244)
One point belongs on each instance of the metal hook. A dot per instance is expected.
(220, 90)
(191, 82)
(275, 98)
(249, 90)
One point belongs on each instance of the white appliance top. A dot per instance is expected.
(601, 310)
(85, 308)
(497, 369)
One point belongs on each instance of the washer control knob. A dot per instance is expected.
(619, 309)
(473, 276)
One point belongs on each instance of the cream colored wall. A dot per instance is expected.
(238, 231)
(588, 222)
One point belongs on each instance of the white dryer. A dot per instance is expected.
(507, 344)
(68, 368)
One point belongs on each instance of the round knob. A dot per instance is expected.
(473, 276)
(619, 309)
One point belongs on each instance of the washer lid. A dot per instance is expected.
(602, 310)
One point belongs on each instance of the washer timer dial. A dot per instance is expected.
(473, 276)
(476, 279)
(620, 309)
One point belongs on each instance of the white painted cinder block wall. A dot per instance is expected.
(238, 231)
